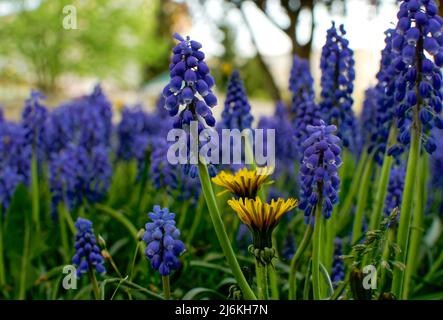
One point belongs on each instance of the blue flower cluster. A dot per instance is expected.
(304, 109)
(285, 146)
(15, 155)
(418, 87)
(338, 266)
(368, 121)
(301, 84)
(384, 96)
(190, 85)
(395, 189)
(237, 111)
(188, 95)
(162, 238)
(337, 66)
(33, 121)
(319, 178)
(78, 140)
(87, 253)
(137, 132)
(162, 174)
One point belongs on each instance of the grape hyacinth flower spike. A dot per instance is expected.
(419, 43)
(337, 66)
(163, 246)
(87, 257)
(188, 95)
(319, 178)
(320, 184)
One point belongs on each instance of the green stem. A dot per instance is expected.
(63, 233)
(406, 212)
(362, 200)
(417, 227)
(166, 287)
(435, 267)
(221, 232)
(25, 260)
(95, 288)
(386, 252)
(383, 182)
(316, 253)
(68, 218)
(296, 259)
(349, 197)
(262, 280)
(194, 225)
(307, 284)
(273, 281)
(2, 258)
(35, 194)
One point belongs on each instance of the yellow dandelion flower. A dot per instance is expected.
(244, 183)
(262, 217)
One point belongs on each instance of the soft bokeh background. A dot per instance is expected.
(125, 44)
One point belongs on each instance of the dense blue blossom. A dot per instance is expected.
(190, 85)
(319, 178)
(384, 96)
(34, 117)
(337, 65)
(368, 119)
(188, 95)
(285, 147)
(15, 155)
(419, 43)
(75, 174)
(395, 189)
(237, 111)
(87, 255)
(304, 109)
(162, 239)
(301, 84)
(85, 121)
(162, 173)
(338, 267)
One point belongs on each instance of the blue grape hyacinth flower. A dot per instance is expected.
(162, 239)
(87, 255)
(337, 66)
(395, 189)
(418, 41)
(237, 111)
(190, 85)
(319, 179)
(338, 266)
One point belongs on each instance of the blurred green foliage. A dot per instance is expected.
(110, 36)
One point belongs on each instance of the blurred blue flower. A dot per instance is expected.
(337, 66)
(338, 267)
(395, 189)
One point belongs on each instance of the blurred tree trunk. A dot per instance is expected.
(293, 12)
(440, 7)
